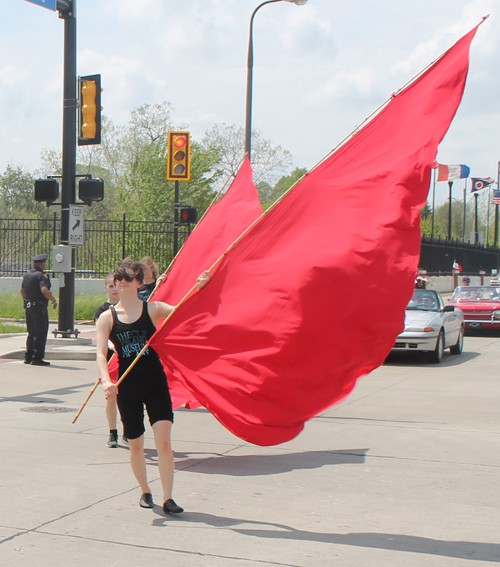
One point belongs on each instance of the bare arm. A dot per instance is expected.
(104, 326)
(46, 292)
(159, 310)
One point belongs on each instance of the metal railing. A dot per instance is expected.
(106, 243)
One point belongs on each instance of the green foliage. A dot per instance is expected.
(11, 306)
(86, 304)
(281, 187)
(17, 191)
(11, 328)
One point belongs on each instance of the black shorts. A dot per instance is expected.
(137, 391)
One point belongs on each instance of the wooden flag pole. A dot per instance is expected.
(356, 129)
(158, 283)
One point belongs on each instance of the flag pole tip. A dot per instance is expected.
(485, 18)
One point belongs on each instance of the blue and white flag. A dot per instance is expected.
(479, 183)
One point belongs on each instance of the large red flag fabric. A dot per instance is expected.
(314, 295)
(223, 223)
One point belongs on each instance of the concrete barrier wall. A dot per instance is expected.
(443, 284)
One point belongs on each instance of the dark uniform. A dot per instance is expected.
(35, 305)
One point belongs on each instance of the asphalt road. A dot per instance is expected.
(403, 472)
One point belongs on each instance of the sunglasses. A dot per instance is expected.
(119, 276)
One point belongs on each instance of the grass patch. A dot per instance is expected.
(10, 328)
(11, 306)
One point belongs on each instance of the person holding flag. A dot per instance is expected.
(129, 325)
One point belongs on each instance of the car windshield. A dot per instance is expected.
(423, 300)
(476, 293)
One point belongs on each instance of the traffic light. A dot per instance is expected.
(178, 158)
(46, 190)
(89, 131)
(91, 190)
(188, 215)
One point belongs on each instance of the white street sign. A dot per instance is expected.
(76, 222)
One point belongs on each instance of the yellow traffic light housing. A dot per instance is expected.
(89, 131)
(179, 156)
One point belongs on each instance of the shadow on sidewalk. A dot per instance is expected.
(471, 550)
(259, 465)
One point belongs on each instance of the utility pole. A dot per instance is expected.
(67, 12)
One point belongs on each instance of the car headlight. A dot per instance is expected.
(496, 314)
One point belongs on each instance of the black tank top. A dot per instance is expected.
(129, 339)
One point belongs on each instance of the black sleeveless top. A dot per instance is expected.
(129, 339)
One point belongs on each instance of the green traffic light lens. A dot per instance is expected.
(178, 169)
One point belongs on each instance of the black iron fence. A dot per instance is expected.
(106, 243)
(438, 255)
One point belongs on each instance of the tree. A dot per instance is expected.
(269, 161)
(17, 194)
(282, 186)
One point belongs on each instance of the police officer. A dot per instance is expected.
(36, 294)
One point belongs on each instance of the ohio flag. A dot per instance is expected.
(479, 183)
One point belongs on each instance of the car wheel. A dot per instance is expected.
(436, 355)
(458, 348)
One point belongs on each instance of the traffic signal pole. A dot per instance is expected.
(68, 195)
(176, 218)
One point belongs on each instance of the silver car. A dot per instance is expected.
(431, 326)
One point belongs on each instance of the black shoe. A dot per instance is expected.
(146, 500)
(39, 362)
(170, 507)
(125, 439)
(27, 361)
(113, 439)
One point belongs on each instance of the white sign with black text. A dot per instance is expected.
(76, 222)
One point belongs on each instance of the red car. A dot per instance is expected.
(480, 305)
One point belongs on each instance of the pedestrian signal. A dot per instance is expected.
(90, 190)
(188, 215)
(178, 157)
(46, 190)
(89, 131)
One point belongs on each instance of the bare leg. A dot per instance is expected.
(161, 430)
(111, 412)
(138, 462)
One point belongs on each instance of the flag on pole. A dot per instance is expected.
(496, 197)
(222, 224)
(452, 172)
(479, 183)
(457, 266)
(314, 295)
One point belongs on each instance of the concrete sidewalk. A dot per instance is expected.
(83, 347)
(403, 472)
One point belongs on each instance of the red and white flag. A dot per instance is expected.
(314, 295)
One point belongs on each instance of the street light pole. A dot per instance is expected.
(248, 115)
(68, 193)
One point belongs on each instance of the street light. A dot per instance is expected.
(248, 118)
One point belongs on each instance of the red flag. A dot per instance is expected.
(314, 295)
(219, 228)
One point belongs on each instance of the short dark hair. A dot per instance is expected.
(133, 266)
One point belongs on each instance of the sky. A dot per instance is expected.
(319, 69)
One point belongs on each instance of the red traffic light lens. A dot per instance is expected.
(179, 142)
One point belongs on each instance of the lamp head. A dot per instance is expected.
(298, 2)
